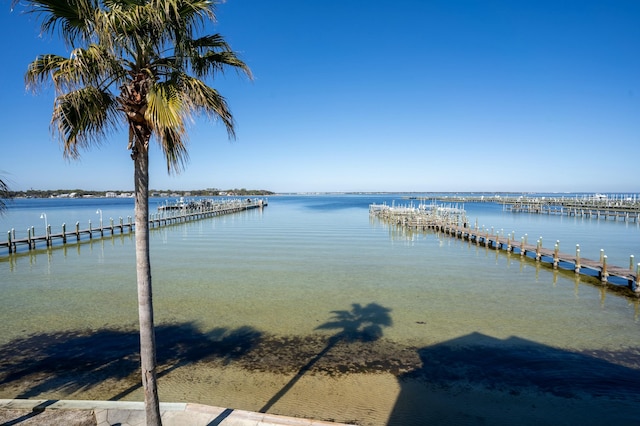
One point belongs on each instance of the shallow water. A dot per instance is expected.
(309, 307)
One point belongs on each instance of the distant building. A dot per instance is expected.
(110, 194)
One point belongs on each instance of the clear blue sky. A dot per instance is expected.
(405, 95)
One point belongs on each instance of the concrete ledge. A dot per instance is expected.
(128, 413)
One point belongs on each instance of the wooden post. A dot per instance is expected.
(603, 272)
(9, 241)
(111, 224)
(577, 266)
(538, 245)
(64, 233)
(48, 235)
(29, 242)
(555, 254)
(121, 225)
(637, 289)
(90, 230)
(601, 255)
(631, 262)
(522, 246)
(77, 231)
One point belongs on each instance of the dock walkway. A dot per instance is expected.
(167, 215)
(450, 225)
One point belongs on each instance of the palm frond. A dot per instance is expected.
(40, 71)
(207, 100)
(83, 118)
(4, 195)
(91, 66)
(211, 54)
(166, 112)
(173, 145)
(72, 18)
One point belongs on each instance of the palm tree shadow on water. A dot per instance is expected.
(72, 361)
(360, 324)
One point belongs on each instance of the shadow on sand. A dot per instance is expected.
(72, 361)
(477, 379)
(361, 323)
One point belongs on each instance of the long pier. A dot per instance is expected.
(167, 215)
(616, 208)
(620, 212)
(450, 225)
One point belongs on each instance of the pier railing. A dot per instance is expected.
(456, 226)
(167, 214)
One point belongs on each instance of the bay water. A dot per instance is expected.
(309, 307)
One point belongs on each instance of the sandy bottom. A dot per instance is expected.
(370, 399)
(351, 378)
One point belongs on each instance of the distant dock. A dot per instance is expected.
(454, 224)
(168, 214)
(616, 208)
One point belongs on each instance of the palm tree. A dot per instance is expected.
(139, 63)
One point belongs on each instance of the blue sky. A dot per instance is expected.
(405, 95)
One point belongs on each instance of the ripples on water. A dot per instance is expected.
(488, 328)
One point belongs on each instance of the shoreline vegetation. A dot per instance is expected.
(213, 192)
(80, 193)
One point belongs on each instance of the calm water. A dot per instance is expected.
(309, 267)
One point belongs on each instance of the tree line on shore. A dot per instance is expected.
(81, 193)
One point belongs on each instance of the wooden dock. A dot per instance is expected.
(167, 215)
(623, 209)
(451, 226)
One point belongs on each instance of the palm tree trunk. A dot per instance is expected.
(145, 300)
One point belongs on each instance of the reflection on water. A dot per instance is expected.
(242, 303)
